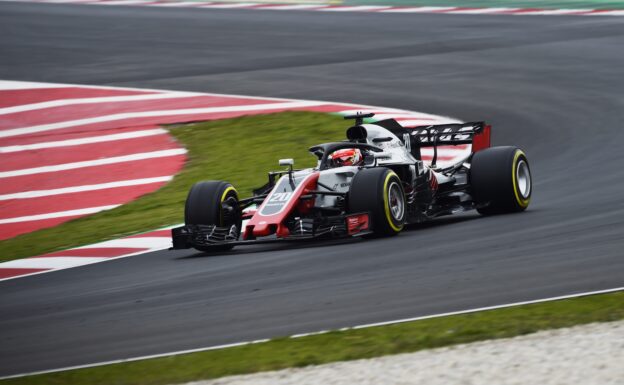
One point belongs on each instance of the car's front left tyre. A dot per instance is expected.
(213, 203)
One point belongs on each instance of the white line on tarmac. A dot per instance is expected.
(181, 4)
(58, 214)
(102, 99)
(81, 141)
(146, 114)
(11, 85)
(481, 11)
(121, 2)
(138, 242)
(418, 9)
(287, 7)
(233, 5)
(91, 163)
(51, 262)
(358, 8)
(553, 12)
(217, 347)
(606, 13)
(83, 188)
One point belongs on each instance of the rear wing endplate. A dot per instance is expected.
(475, 133)
(445, 134)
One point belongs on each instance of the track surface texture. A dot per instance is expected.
(551, 85)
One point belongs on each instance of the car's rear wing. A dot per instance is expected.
(475, 133)
(446, 134)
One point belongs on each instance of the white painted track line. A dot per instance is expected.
(481, 11)
(418, 9)
(145, 114)
(607, 13)
(181, 4)
(93, 187)
(225, 346)
(140, 242)
(104, 99)
(59, 214)
(122, 2)
(346, 8)
(51, 262)
(91, 163)
(232, 5)
(80, 141)
(359, 8)
(294, 7)
(12, 85)
(553, 12)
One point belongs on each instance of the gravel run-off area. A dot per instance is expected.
(589, 354)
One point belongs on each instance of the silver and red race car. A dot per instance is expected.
(372, 184)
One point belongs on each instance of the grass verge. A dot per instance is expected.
(347, 345)
(239, 150)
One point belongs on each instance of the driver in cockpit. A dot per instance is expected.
(346, 157)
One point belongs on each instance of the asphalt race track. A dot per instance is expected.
(551, 85)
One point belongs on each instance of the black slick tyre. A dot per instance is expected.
(500, 178)
(379, 192)
(206, 204)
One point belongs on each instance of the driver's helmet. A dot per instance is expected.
(346, 157)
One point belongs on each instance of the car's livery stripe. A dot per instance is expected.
(342, 8)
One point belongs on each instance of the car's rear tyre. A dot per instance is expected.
(213, 203)
(379, 192)
(501, 180)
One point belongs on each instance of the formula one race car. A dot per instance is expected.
(371, 184)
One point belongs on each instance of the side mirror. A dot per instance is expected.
(287, 162)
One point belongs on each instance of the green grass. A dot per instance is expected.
(239, 150)
(348, 345)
